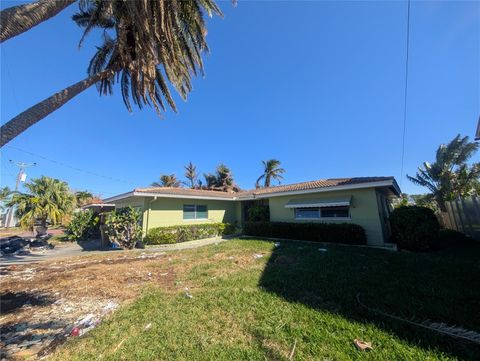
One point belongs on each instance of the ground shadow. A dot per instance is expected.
(440, 287)
(12, 301)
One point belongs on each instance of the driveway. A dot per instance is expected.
(65, 250)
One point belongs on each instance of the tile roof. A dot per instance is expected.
(317, 184)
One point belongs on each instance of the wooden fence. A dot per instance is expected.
(463, 215)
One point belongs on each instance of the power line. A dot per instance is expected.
(70, 166)
(405, 93)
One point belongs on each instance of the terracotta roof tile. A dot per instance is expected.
(316, 184)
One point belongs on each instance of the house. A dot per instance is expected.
(363, 201)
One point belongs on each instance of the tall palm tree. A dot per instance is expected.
(17, 19)
(167, 180)
(450, 176)
(191, 175)
(5, 196)
(272, 170)
(47, 200)
(155, 42)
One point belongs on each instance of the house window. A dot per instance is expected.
(192, 211)
(325, 212)
(307, 213)
(335, 212)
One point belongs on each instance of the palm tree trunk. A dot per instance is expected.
(17, 19)
(32, 115)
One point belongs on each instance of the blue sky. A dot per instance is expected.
(318, 85)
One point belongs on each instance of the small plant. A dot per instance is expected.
(84, 225)
(177, 234)
(123, 227)
(414, 228)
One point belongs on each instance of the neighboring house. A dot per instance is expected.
(364, 201)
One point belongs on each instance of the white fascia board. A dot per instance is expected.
(317, 205)
(388, 183)
(160, 195)
(118, 197)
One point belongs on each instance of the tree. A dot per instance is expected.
(450, 176)
(191, 175)
(167, 180)
(5, 196)
(222, 180)
(47, 200)
(272, 170)
(83, 197)
(17, 19)
(155, 42)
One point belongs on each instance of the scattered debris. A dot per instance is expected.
(231, 257)
(277, 244)
(362, 345)
(147, 326)
(322, 249)
(19, 246)
(258, 255)
(164, 274)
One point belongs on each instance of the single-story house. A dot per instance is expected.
(363, 201)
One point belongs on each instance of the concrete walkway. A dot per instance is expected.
(92, 248)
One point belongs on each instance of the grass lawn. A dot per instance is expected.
(256, 309)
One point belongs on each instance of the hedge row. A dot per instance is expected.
(177, 234)
(346, 233)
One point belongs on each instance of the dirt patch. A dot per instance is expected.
(43, 303)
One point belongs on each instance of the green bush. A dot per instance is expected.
(123, 228)
(414, 228)
(449, 238)
(346, 233)
(258, 214)
(177, 234)
(84, 225)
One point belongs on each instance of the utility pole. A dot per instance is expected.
(20, 178)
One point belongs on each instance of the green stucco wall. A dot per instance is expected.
(363, 211)
(169, 212)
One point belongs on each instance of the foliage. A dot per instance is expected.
(414, 228)
(272, 170)
(450, 177)
(48, 199)
(450, 238)
(346, 233)
(154, 41)
(177, 234)
(84, 225)
(424, 200)
(167, 180)
(5, 197)
(191, 175)
(83, 197)
(258, 213)
(401, 201)
(222, 180)
(123, 227)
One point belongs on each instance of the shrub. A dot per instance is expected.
(449, 238)
(318, 232)
(414, 228)
(123, 227)
(84, 225)
(258, 214)
(177, 234)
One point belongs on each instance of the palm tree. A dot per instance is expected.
(222, 180)
(48, 200)
(83, 197)
(271, 171)
(191, 175)
(156, 42)
(449, 176)
(167, 180)
(5, 196)
(17, 19)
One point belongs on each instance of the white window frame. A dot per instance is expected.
(195, 218)
(319, 210)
